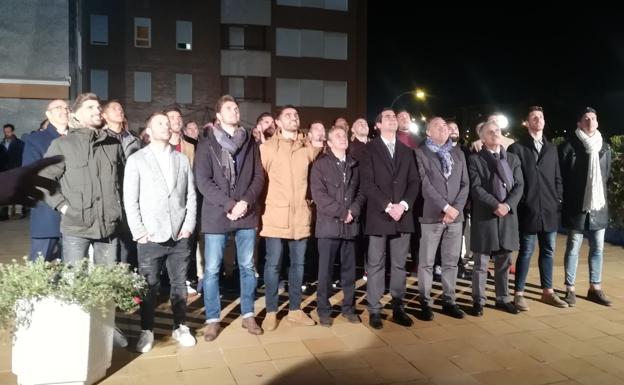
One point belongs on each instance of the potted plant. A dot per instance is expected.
(61, 317)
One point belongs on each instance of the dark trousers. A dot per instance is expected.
(152, 256)
(127, 247)
(328, 249)
(397, 247)
(48, 248)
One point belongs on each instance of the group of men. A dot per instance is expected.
(146, 202)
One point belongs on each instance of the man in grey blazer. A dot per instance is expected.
(160, 202)
(445, 187)
(496, 186)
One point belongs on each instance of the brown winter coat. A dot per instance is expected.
(286, 162)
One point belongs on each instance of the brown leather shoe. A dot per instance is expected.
(252, 327)
(270, 321)
(211, 331)
(298, 316)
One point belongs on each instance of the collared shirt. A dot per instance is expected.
(7, 142)
(390, 144)
(163, 157)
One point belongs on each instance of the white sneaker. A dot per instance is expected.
(183, 335)
(189, 289)
(145, 342)
(119, 339)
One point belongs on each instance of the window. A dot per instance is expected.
(287, 42)
(287, 91)
(311, 43)
(99, 83)
(184, 35)
(237, 37)
(335, 94)
(335, 45)
(184, 88)
(337, 5)
(333, 5)
(142, 32)
(142, 86)
(311, 93)
(99, 29)
(236, 87)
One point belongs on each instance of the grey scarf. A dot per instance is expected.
(230, 145)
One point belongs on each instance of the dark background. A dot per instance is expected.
(475, 61)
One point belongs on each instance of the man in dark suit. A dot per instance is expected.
(391, 183)
(496, 186)
(45, 222)
(445, 188)
(10, 157)
(538, 211)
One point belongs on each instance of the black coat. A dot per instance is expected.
(540, 205)
(334, 194)
(218, 200)
(11, 157)
(574, 162)
(388, 180)
(488, 232)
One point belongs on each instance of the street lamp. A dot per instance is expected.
(419, 94)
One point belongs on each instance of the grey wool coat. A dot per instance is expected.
(488, 232)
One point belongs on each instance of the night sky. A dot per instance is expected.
(472, 61)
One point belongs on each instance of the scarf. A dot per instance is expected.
(230, 145)
(444, 154)
(594, 198)
(502, 176)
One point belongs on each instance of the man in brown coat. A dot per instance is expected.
(286, 159)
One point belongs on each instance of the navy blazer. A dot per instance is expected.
(45, 222)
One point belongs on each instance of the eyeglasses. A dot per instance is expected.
(59, 108)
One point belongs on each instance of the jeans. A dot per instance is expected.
(214, 247)
(547, 242)
(573, 246)
(104, 250)
(152, 255)
(272, 266)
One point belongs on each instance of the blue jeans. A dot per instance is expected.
(77, 248)
(213, 255)
(547, 242)
(573, 246)
(272, 266)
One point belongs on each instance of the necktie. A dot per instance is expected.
(390, 146)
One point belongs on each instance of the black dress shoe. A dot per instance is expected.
(477, 310)
(509, 307)
(375, 321)
(401, 317)
(426, 314)
(453, 310)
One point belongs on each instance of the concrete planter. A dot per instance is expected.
(63, 345)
